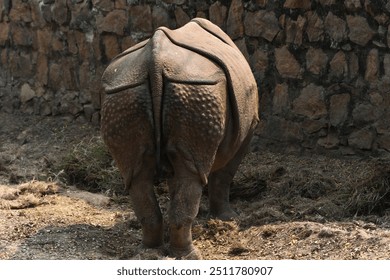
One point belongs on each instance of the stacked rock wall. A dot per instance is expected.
(322, 66)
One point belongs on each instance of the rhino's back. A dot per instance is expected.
(137, 64)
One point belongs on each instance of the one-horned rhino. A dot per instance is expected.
(186, 101)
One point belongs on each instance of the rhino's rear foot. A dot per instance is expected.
(152, 236)
(225, 215)
(190, 253)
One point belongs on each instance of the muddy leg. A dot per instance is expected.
(146, 208)
(219, 186)
(185, 192)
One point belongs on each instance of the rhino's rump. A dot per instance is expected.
(134, 66)
(199, 58)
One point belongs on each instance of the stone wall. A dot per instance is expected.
(322, 66)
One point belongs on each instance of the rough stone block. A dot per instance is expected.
(44, 38)
(89, 110)
(96, 91)
(4, 33)
(338, 108)
(111, 46)
(141, 19)
(241, 44)
(365, 113)
(103, 5)
(313, 126)
(20, 11)
(84, 76)
(283, 130)
(310, 103)
(294, 30)
(388, 36)
(127, 42)
(20, 64)
(45, 11)
(70, 74)
(82, 46)
(4, 57)
(181, 17)
(234, 26)
(161, 18)
(359, 31)
(335, 27)
(259, 63)
(384, 142)
(372, 7)
(42, 69)
(71, 42)
(57, 42)
(60, 12)
(372, 66)
(26, 93)
(45, 109)
(338, 66)
(331, 141)
(95, 50)
(81, 16)
(261, 23)
(376, 99)
(286, 64)
(70, 104)
(218, 14)
(116, 22)
(55, 76)
(297, 4)
(353, 5)
(121, 4)
(315, 27)
(361, 139)
(316, 60)
(280, 99)
(21, 36)
(353, 65)
(327, 2)
(177, 2)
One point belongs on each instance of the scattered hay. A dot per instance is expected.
(317, 188)
(371, 195)
(8, 193)
(248, 188)
(26, 195)
(89, 166)
(38, 188)
(288, 186)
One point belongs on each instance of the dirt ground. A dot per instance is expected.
(290, 206)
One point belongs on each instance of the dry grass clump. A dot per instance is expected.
(89, 166)
(26, 195)
(316, 188)
(372, 195)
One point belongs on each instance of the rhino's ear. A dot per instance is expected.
(128, 69)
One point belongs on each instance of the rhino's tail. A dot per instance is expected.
(156, 87)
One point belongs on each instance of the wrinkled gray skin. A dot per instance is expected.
(185, 102)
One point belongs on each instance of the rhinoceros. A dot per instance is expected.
(184, 101)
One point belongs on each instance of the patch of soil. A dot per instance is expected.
(290, 206)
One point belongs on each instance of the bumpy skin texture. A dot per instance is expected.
(184, 101)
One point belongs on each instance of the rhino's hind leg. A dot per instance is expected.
(185, 193)
(146, 206)
(193, 127)
(127, 129)
(219, 185)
